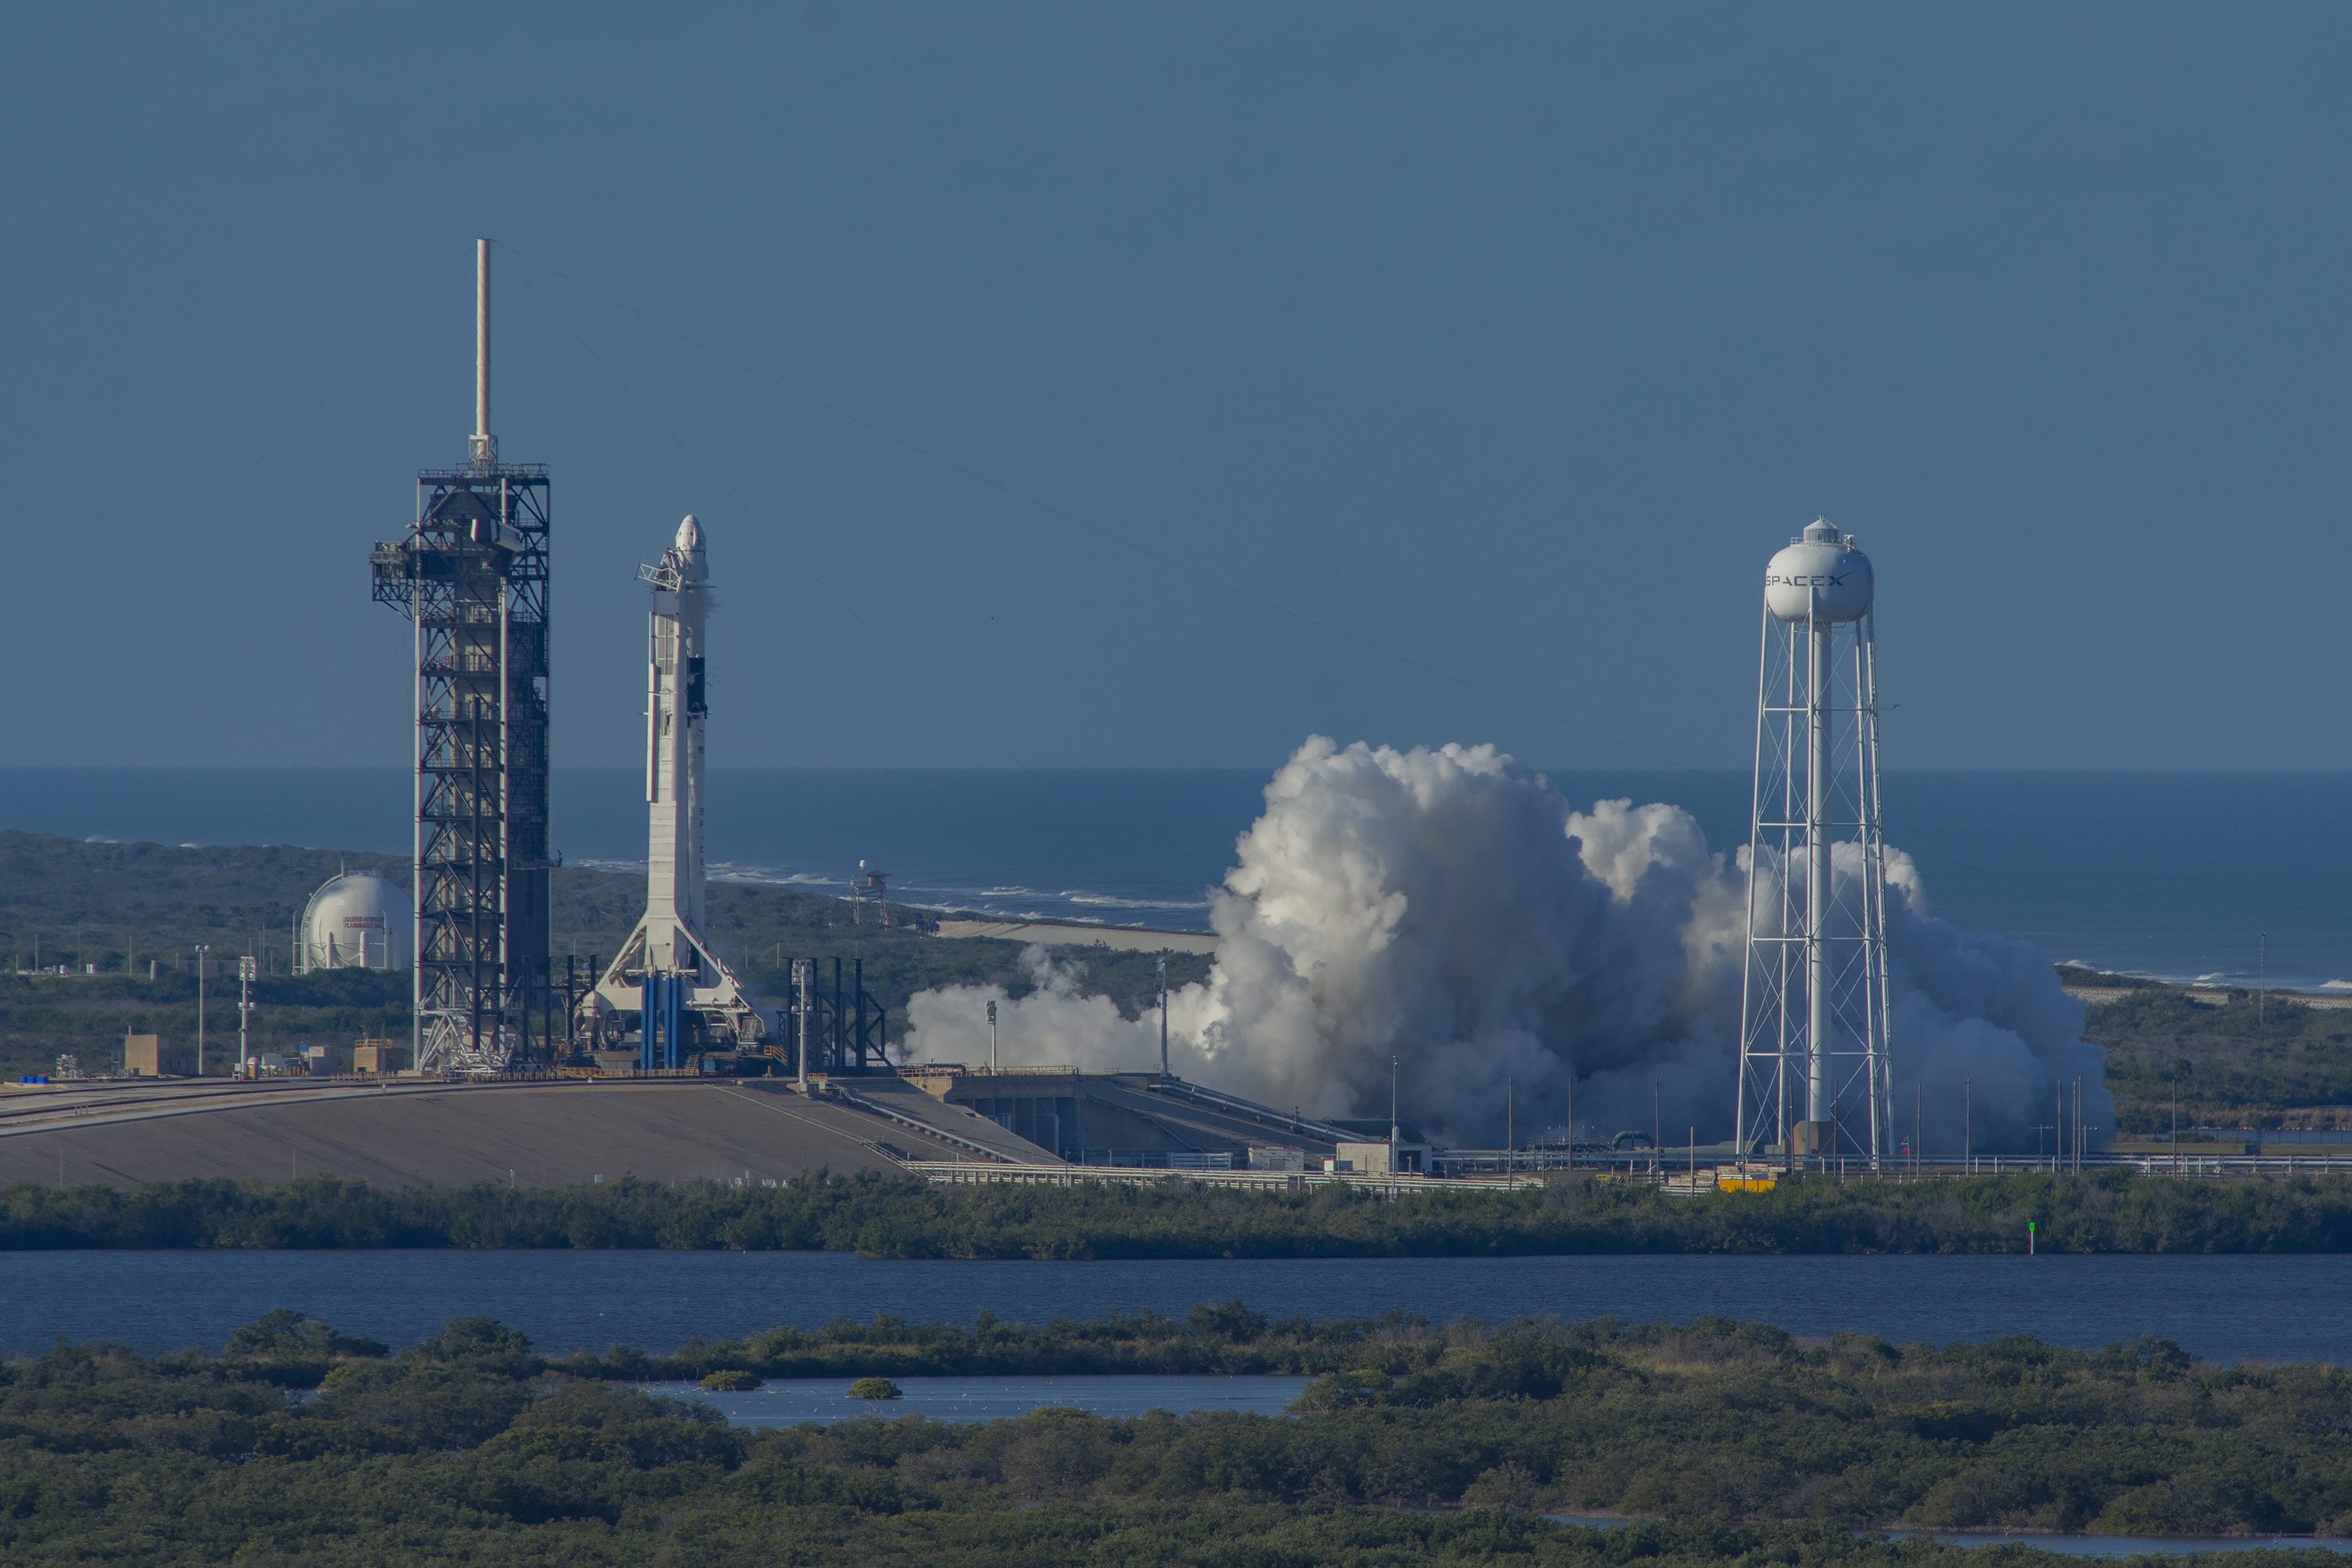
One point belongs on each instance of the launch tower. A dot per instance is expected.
(684, 993)
(471, 577)
(1814, 1004)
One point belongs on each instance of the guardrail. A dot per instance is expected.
(957, 1173)
(2225, 1164)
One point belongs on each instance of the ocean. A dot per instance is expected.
(2221, 878)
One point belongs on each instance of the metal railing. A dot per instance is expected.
(955, 1174)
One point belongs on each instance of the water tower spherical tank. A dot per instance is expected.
(1820, 577)
(358, 921)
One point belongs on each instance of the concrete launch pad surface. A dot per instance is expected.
(447, 1136)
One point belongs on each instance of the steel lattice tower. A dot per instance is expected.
(1814, 1021)
(472, 578)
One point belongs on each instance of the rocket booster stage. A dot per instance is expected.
(666, 972)
(674, 715)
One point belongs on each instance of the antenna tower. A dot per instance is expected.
(471, 576)
(1813, 1068)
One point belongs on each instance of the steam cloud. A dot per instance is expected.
(1449, 907)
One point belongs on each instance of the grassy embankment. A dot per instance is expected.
(109, 904)
(892, 1216)
(2235, 1059)
(1415, 1444)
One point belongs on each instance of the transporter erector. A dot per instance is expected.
(685, 997)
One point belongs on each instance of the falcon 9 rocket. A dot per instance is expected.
(687, 998)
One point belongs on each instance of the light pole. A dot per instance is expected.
(245, 970)
(803, 973)
(1393, 1113)
(201, 949)
(991, 1039)
(1163, 1015)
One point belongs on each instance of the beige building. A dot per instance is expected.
(1373, 1159)
(378, 1056)
(155, 1055)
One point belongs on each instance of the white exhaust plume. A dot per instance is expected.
(1451, 907)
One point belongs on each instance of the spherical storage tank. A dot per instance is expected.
(1821, 577)
(358, 921)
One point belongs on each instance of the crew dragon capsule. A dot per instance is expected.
(685, 997)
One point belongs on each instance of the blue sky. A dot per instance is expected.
(1152, 385)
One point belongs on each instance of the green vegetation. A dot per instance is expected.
(876, 1388)
(729, 1380)
(1414, 1445)
(44, 1018)
(2236, 1058)
(117, 904)
(899, 1216)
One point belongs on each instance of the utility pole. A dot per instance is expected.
(1571, 1119)
(201, 949)
(245, 974)
(1392, 1112)
(991, 1039)
(1163, 1015)
(1657, 1134)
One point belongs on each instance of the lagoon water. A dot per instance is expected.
(2225, 1309)
(2173, 875)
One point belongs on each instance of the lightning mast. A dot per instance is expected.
(471, 576)
(1814, 1018)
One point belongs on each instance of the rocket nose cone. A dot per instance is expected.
(689, 534)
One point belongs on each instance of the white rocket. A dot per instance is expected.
(667, 970)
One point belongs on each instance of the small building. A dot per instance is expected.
(155, 1056)
(1373, 1159)
(378, 1056)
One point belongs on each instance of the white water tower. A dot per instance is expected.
(357, 920)
(1813, 999)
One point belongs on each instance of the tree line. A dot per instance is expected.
(884, 1216)
(1722, 1443)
